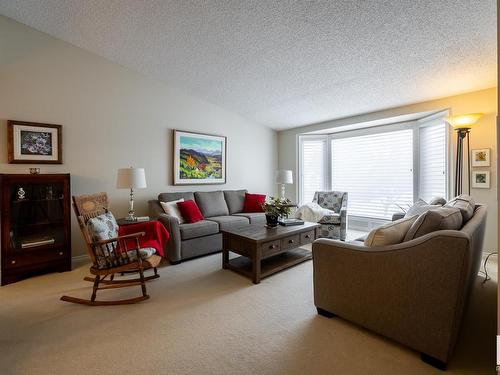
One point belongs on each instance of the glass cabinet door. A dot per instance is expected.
(36, 216)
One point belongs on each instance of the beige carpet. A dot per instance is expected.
(204, 320)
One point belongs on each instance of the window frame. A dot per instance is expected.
(415, 125)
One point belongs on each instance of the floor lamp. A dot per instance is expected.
(462, 124)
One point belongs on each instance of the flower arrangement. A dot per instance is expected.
(276, 207)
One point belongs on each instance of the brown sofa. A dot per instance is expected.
(414, 292)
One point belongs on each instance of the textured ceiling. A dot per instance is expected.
(286, 63)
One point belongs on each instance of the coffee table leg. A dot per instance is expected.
(256, 267)
(225, 253)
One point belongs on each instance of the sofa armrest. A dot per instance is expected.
(173, 245)
(155, 208)
(412, 292)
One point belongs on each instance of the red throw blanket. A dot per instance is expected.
(155, 235)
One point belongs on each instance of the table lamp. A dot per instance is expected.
(283, 177)
(131, 178)
(462, 124)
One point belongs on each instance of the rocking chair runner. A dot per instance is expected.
(112, 255)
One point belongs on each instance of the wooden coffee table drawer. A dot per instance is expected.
(270, 248)
(307, 237)
(290, 242)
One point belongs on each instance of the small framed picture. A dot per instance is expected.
(34, 143)
(481, 179)
(481, 158)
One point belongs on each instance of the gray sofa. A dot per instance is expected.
(221, 210)
(414, 292)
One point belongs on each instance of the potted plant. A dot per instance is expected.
(274, 208)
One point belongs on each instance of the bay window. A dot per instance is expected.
(384, 169)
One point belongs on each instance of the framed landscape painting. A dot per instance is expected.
(199, 158)
(34, 143)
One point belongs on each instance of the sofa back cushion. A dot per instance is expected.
(169, 197)
(440, 201)
(435, 219)
(235, 200)
(465, 204)
(419, 207)
(391, 233)
(211, 203)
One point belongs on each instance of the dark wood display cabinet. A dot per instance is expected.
(35, 222)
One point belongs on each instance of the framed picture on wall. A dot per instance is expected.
(34, 143)
(481, 179)
(199, 158)
(481, 158)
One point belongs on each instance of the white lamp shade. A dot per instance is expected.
(131, 178)
(284, 176)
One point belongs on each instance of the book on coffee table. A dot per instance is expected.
(288, 222)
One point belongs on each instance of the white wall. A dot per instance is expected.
(113, 117)
(483, 135)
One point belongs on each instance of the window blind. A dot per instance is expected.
(432, 161)
(312, 168)
(376, 170)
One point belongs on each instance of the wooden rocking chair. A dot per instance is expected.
(111, 256)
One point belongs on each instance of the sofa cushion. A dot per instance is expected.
(169, 197)
(419, 207)
(190, 211)
(235, 200)
(440, 201)
(211, 203)
(391, 233)
(331, 218)
(254, 202)
(435, 219)
(198, 229)
(229, 222)
(172, 209)
(254, 217)
(465, 204)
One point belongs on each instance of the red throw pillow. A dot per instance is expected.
(254, 202)
(190, 211)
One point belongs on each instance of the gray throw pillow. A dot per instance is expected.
(436, 219)
(465, 204)
(419, 207)
(391, 233)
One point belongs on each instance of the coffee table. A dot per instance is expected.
(264, 251)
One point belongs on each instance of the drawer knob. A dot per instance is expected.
(12, 262)
(290, 241)
(61, 253)
(308, 236)
(272, 247)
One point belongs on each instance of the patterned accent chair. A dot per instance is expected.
(333, 226)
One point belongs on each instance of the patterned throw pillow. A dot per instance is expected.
(103, 227)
